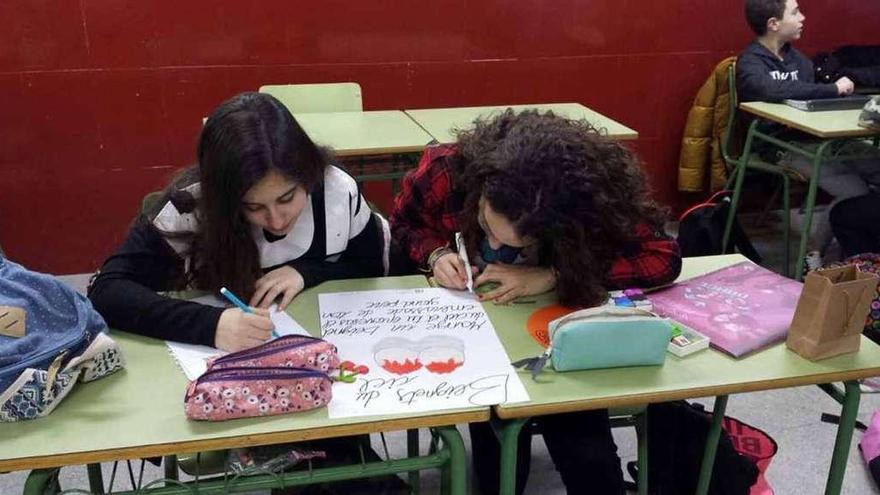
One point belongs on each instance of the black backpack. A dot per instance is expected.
(861, 63)
(701, 230)
(676, 438)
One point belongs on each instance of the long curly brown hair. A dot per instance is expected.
(561, 182)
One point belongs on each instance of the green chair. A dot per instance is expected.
(312, 98)
(738, 166)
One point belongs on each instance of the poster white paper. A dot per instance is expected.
(426, 349)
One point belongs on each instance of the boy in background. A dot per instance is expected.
(770, 69)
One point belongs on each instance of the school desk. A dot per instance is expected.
(832, 128)
(138, 412)
(364, 133)
(362, 138)
(441, 122)
(702, 374)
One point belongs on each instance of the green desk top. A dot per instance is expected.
(364, 133)
(701, 374)
(827, 124)
(440, 122)
(138, 411)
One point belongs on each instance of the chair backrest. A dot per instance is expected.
(151, 201)
(312, 98)
(731, 116)
(385, 232)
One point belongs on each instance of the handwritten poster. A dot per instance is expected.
(423, 350)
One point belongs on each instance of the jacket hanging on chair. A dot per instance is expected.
(705, 127)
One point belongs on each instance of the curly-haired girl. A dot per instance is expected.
(544, 203)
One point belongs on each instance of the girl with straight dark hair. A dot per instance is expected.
(263, 213)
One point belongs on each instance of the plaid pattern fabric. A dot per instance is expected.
(425, 217)
(425, 214)
(651, 259)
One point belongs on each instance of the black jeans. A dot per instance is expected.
(579, 443)
(856, 224)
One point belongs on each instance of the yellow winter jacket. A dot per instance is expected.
(703, 132)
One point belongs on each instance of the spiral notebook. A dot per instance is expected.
(741, 308)
(193, 359)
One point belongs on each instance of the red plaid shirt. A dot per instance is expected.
(425, 217)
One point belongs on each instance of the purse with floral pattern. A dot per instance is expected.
(230, 393)
(288, 374)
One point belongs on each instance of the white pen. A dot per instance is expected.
(462, 253)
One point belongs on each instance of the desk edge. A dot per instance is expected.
(527, 410)
(250, 440)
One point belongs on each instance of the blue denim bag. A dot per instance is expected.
(38, 368)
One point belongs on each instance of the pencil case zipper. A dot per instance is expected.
(280, 344)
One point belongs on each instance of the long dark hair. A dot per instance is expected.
(579, 194)
(243, 139)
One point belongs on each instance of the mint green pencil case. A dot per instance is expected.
(604, 337)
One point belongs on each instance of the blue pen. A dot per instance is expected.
(241, 305)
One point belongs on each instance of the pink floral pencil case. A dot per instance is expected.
(290, 351)
(230, 393)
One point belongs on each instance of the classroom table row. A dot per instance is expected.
(383, 132)
(138, 411)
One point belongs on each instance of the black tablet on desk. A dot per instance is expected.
(842, 103)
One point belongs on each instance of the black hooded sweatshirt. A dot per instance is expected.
(762, 76)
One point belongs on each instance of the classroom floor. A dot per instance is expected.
(790, 416)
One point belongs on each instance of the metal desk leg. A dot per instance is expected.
(457, 462)
(844, 437)
(508, 435)
(711, 445)
(642, 460)
(740, 173)
(808, 212)
(169, 462)
(412, 450)
(96, 478)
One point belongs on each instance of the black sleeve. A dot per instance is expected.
(864, 76)
(362, 256)
(124, 292)
(754, 83)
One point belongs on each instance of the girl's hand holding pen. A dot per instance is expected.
(237, 330)
(449, 271)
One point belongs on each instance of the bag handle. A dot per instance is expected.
(850, 309)
(836, 278)
(52, 371)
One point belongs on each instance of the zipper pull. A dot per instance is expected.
(534, 364)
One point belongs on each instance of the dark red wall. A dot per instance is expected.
(102, 99)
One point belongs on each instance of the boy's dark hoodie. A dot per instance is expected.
(761, 76)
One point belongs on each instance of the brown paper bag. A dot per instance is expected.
(831, 312)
